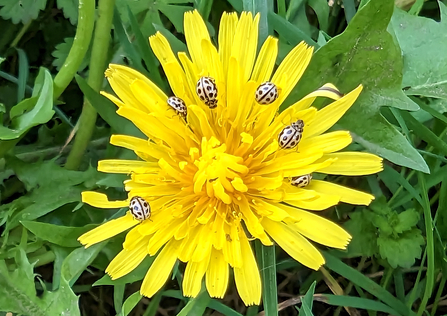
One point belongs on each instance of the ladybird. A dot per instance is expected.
(291, 135)
(139, 208)
(301, 181)
(178, 105)
(207, 91)
(266, 93)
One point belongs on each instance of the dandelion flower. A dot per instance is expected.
(220, 166)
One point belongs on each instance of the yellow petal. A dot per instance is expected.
(245, 43)
(265, 61)
(162, 236)
(171, 66)
(291, 69)
(107, 230)
(217, 274)
(112, 98)
(347, 195)
(247, 278)
(227, 28)
(192, 280)
(195, 32)
(298, 247)
(126, 261)
(328, 90)
(353, 164)
(100, 200)
(127, 166)
(319, 203)
(330, 114)
(160, 269)
(319, 229)
(328, 142)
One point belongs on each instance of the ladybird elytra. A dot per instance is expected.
(139, 208)
(178, 105)
(301, 181)
(291, 135)
(206, 90)
(266, 93)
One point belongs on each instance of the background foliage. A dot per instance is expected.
(51, 69)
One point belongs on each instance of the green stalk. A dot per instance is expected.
(81, 42)
(97, 66)
(74, 59)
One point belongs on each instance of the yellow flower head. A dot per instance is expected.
(220, 166)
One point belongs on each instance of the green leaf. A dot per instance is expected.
(41, 113)
(421, 39)
(401, 251)
(364, 234)
(61, 52)
(60, 235)
(358, 302)
(321, 8)
(18, 292)
(366, 54)
(307, 301)
(70, 9)
(21, 11)
(407, 220)
(130, 303)
(78, 260)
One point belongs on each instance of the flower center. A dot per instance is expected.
(219, 173)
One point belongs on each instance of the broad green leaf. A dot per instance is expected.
(60, 235)
(421, 39)
(41, 113)
(47, 173)
(364, 234)
(61, 52)
(403, 250)
(366, 54)
(70, 9)
(21, 11)
(408, 219)
(78, 260)
(18, 293)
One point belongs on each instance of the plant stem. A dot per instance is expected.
(21, 33)
(79, 48)
(97, 66)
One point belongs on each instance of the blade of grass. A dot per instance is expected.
(267, 266)
(281, 5)
(372, 287)
(288, 31)
(358, 302)
(430, 245)
(424, 132)
(223, 309)
(130, 303)
(307, 301)
(23, 74)
(152, 308)
(118, 297)
(399, 284)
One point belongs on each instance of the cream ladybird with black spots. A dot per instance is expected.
(207, 91)
(266, 93)
(301, 181)
(139, 208)
(291, 135)
(178, 105)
